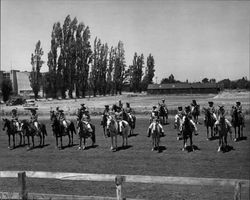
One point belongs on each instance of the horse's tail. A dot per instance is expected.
(72, 127)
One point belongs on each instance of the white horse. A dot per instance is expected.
(112, 128)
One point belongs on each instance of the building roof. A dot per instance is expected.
(182, 86)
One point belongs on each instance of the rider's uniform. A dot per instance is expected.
(34, 118)
(154, 118)
(129, 112)
(163, 104)
(84, 116)
(188, 114)
(62, 118)
(212, 110)
(179, 115)
(222, 114)
(119, 118)
(238, 107)
(14, 119)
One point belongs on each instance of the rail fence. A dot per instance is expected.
(117, 179)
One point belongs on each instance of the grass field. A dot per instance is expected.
(137, 159)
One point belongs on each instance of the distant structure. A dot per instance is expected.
(183, 88)
(20, 82)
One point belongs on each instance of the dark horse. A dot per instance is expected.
(187, 132)
(11, 130)
(195, 113)
(237, 122)
(29, 130)
(83, 132)
(59, 130)
(222, 129)
(209, 122)
(163, 114)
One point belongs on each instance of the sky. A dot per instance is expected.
(189, 39)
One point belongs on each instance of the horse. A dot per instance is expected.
(195, 112)
(11, 130)
(83, 133)
(222, 129)
(163, 114)
(155, 134)
(131, 119)
(209, 122)
(237, 122)
(29, 130)
(112, 128)
(59, 130)
(187, 132)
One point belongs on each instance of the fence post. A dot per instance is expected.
(237, 191)
(118, 182)
(23, 194)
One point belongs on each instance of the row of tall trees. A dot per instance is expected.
(74, 66)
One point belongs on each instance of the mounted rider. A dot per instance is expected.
(189, 116)
(194, 105)
(238, 108)
(154, 118)
(34, 118)
(61, 116)
(222, 113)
(179, 115)
(84, 116)
(119, 118)
(163, 105)
(212, 110)
(106, 113)
(129, 111)
(14, 119)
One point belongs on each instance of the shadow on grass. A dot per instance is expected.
(190, 149)
(161, 149)
(123, 147)
(133, 135)
(91, 147)
(227, 148)
(213, 138)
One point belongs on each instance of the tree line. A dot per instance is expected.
(75, 66)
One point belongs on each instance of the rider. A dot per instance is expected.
(129, 111)
(163, 104)
(119, 118)
(222, 113)
(189, 116)
(120, 104)
(106, 113)
(154, 117)
(84, 116)
(193, 105)
(238, 108)
(61, 117)
(179, 115)
(34, 118)
(212, 109)
(14, 119)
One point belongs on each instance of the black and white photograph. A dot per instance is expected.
(125, 99)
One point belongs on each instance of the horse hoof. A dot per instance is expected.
(79, 148)
(219, 149)
(152, 149)
(9, 147)
(83, 148)
(183, 149)
(235, 139)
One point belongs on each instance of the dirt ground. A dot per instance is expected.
(136, 159)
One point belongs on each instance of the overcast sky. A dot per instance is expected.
(190, 39)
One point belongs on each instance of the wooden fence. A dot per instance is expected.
(117, 179)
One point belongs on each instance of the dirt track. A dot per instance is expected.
(136, 159)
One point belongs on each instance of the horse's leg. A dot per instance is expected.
(115, 141)
(239, 132)
(112, 140)
(61, 141)
(21, 139)
(28, 142)
(40, 135)
(33, 141)
(14, 145)
(9, 141)
(235, 133)
(207, 133)
(84, 143)
(184, 144)
(56, 141)
(191, 142)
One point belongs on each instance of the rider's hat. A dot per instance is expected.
(211, 103)
(163, 99)
(187, 108)
(238, 102)
(128, 103)
(193, 103)
(154, 106)
(179, 108)
(14, 110)
(57, 108)
(82, 104)
(106, 106)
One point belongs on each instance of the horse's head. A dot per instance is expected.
(110, 122)
(6, 123)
